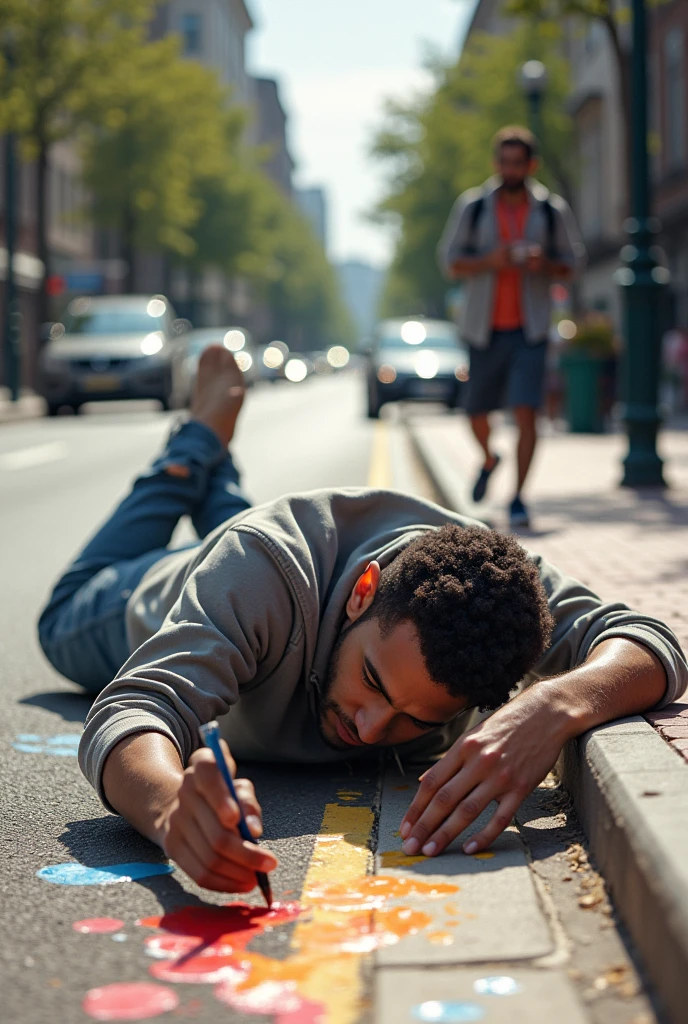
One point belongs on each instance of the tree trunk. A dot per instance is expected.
(42, 224)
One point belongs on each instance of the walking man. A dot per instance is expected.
(510, 238)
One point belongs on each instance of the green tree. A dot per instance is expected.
(613, 16)
(439, 146)
(297, 281)
(56, 52)
(163, 139)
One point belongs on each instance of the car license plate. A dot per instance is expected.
(102, 382)
(429, 389)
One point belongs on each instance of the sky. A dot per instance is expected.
(336, 62)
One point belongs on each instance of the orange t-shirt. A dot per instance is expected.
(507, 314)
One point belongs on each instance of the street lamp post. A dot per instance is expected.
(642, 282)
(533, 77)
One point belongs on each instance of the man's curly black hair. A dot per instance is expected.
(478, 605)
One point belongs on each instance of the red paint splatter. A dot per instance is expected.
(205, 943)
(307, 1013)
(98, 925)
(138, 1000)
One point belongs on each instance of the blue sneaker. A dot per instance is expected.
(483, 477)
(518, 514)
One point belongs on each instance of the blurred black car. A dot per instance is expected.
(418, 360)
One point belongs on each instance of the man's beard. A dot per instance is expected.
(330, 705)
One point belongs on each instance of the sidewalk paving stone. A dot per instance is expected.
(496, 913)
(542, 997)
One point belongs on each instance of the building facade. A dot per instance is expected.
(313, 204)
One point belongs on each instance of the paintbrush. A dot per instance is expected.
(210, 734)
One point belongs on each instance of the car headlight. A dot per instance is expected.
(244, 361)
(426, 365)
(386, 374)
(296, 370)
(151, 344)
(273, 358)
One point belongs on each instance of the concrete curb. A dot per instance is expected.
(630, 791)
(452, 490)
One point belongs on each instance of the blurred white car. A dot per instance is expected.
(236, 339)
(112, 347)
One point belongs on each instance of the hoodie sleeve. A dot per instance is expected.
(229, 630)
(455, 237)
(582, 621)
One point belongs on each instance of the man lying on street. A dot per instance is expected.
(318, 627)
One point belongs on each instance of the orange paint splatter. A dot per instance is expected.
(451, 908)
(441, 938)
(209, 944)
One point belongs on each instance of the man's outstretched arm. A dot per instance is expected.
(189, 813)
(508, 755)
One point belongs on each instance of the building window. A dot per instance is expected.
(674, 92)
(190, 28)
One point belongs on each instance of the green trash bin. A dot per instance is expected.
(583, 375)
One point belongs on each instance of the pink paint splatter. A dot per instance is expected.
(307, 1013)
(138, 1000)
(268, 997)
(98, 925)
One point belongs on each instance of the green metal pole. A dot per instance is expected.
(641, 281)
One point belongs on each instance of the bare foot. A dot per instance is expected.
(218, 392)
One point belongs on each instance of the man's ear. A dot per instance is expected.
(365, 589)
(533, 166)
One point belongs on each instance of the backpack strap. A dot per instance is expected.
(470, 249)
(551, 248)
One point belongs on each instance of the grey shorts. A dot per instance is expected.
(509, 372)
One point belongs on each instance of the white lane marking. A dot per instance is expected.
(37, 455)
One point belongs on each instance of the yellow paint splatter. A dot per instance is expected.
(451, 908)
(485, 855)
(398, 859)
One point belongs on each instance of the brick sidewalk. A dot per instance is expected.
(626, 545)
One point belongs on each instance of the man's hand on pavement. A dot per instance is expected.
(199, 828)
(503, 759)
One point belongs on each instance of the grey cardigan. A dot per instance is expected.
(477, 315)
(241, 628)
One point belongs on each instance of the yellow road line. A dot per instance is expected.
(380, 469)
(341, 854)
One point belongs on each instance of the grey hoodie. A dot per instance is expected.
(241, 628)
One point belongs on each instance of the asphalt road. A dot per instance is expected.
(58, 479)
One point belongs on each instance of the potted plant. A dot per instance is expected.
(588, 364)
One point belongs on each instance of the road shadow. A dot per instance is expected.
(71, 707)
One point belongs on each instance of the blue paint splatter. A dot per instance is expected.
(497, 985)
(73, 873)
(438, 1011)
(66, 745)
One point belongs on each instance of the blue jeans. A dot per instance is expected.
(82, 629)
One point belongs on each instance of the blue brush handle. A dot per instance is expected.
(210, 734)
